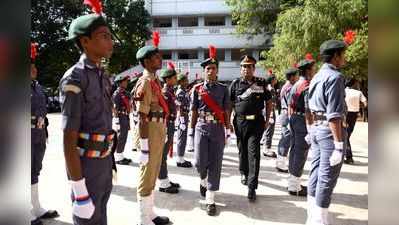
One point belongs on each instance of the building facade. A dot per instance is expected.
(188, 27)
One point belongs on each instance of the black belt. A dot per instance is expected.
(299, 113)
(123, 112)
(248, 117)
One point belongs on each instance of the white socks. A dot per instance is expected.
(294, 183)
(164, 183)
(281, 162)
(210, 197)
(118, 156)
(180, 159)
(204, 182)
(37, 209)
(311, 201)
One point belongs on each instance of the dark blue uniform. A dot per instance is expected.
(248, 98)
(183, 105)
(121, 99)
(87, 109)
(38, 132)
(209, 135)
(169, 95)
(326, 98)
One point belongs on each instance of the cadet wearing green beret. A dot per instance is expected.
(87, 120)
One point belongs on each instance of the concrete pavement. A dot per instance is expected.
(273, 206)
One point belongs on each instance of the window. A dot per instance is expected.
(219, 54)
(188, 21)
(215, 21)
(162, 22)
(188, 54)
(167, 55)
(237, 53)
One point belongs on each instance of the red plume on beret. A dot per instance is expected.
(155, 38)
(96, 5)
(212, 52)
(171, 66)
(33, 50)
(295, 65)
(270, 71)
(309, 57)
(349, 37)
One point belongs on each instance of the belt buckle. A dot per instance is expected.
(209, 118)
(250, 117)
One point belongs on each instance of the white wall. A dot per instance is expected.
(186, 7)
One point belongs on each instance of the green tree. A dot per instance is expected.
(302, 29)
(50, 21)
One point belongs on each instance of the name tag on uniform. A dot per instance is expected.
(250, 117)
(209, 117)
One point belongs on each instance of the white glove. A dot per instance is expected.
(143, 155)
(227, 134)
(271, 120)
(83, 206)
(307, 139)
(115, 123)
(336, 156)
(182, 126)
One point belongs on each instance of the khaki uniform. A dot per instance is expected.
(156, 135)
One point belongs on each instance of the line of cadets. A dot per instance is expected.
(313, 113)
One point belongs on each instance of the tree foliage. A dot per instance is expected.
(50, 20)
(301, 26)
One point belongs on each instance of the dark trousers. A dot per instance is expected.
(268, 134)
(249, 133)
(163, 173)
(182, 138)
(98, 175)
(351, 118)
(38, 148)
(122, 133)
(299, 147)
(208, 152)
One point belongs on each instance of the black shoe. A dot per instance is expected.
(170, 190)
(50, 214)
(134, 150)
(281, 170)
(176, 185)
(303, 192)
(349, 161)
(270, 154)
(211, 209)
(37, 221)
(185, 164)
(190, 150)
(124, 161)
(161, 220)
(251, 195)
(203, 191)
(244, 180)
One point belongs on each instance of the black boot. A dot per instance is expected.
(211, 209)
(251, 195)
(37, 221)
(185, 164)
(161, 220)
(170, 190)
(176, 185)
(303, 192)
(50, 214)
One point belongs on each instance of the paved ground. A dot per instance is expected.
(273, 206)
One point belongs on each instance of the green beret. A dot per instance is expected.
(330, 46)
(166, 73)
(146, 52)
(304, 63)
(120, 78)
(84, 25)
(290, 72)
(209, 61)
(181, 77)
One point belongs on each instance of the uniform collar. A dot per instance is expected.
(243, 80)
(209, 84)
(331, 66)
(87, 62)
(149, 74)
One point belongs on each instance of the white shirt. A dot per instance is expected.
(353, 98)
